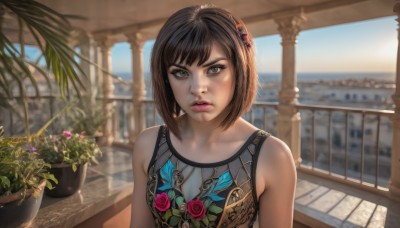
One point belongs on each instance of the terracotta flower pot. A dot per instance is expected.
(69, 181)
(14, 213)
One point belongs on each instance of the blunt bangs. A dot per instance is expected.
(193, 42)
(188, 37)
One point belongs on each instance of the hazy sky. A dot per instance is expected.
(368, 46)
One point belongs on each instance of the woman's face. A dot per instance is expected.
(204, 91)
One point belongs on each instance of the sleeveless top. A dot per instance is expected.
(224, 193)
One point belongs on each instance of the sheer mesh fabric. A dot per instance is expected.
(183, 193)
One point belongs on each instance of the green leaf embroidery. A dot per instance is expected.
(215, 209)
(171, 194)
(174, 221)
(205, 221)
(176, 212)
(167, 215)
(179, 200)
(211, 217)
(207, 203)
(195, 223)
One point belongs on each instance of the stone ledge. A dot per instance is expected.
(325, 203)
(106, 184)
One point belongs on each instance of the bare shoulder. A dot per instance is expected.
(276, 150)
(276, 184)
(147, 136)
(276, 161)
(144, 146)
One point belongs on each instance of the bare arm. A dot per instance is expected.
(278, 174)
(143, 149)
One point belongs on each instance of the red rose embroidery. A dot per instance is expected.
(162, 202)
(196, 209)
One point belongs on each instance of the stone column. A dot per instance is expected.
(88, 51)
(105, 44)
(288, 123)
(136, 41)
(394, 186)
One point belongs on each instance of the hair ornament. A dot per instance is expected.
(243, 35)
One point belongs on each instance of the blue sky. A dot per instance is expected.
(368, 46)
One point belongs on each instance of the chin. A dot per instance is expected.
(202, 117)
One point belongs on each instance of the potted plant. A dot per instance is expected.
(69, 155)
(23, 177)
(88, 119)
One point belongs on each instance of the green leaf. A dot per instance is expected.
(174, 221)
(205, 221)
(171, 194)
(176, 212)
(51, 177)
(207, 203)
(211, 217)
(4, 181)
(167, 215)
(215, 209)
(74, 168)
(195, 223)
(179, 201)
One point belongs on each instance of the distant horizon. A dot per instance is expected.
(364, 46)
(306, 76)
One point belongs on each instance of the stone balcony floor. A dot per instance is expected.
(325, 203)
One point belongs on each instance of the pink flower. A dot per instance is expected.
(32, 149)
(67, 134)
(196, 209)
(162, 202)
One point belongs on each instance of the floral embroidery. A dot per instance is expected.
(196, 209)
(201, 211)
(162, 202)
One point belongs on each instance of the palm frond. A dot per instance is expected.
(50, 31)
(53, 29)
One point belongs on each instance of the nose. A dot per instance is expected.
(198, 84)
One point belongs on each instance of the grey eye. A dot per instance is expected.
(180, 73)
(215, 69)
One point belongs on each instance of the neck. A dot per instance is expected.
(202, 132)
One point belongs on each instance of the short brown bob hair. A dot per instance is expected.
(188, 36)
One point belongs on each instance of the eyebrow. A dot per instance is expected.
(204, 64)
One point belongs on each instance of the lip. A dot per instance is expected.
(200, 106)
(200, 102)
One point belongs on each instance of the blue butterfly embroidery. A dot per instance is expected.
(167, 172)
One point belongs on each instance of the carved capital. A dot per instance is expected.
(289, 27)
(104, 42)
(136, 40)
(81, 36)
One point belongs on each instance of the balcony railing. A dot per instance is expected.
(348, 144)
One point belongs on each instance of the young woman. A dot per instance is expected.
(208, 167)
